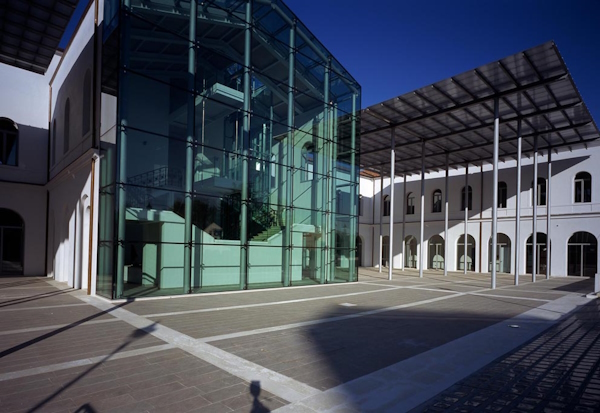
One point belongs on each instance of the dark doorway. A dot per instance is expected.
(541, 254)
(582, 254)
(11, 243)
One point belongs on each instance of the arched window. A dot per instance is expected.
(9, 142)
(541, 192)
(386, 206)
(502, 194)
(583, 187)
(437, 201)
(582, 254)
(308, 155)
(469, 196)
(410, 204)
(87, 103)
(67, 120)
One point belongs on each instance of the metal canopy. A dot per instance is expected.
(30, 31)
(456, 116)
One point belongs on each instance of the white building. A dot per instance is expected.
(575, 219)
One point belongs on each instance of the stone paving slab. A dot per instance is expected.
(559, 371)
(232, 321)
(207, 301)
(87, 362)
(325, 356)
(170, 381)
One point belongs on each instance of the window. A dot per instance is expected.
(87, 103)
(386, 206)
(469, 196)
(9, 142)
(583, 187)
(360, 205)
(67, 117)
(437, 201)
(308, 156)
(541, 191)
(410, 204)
(502, 194)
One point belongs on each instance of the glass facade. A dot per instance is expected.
(234, 163)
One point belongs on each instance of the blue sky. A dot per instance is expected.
(395, 46)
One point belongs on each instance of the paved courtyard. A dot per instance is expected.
(412, 344)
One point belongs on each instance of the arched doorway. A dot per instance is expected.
(385, 251)
(541, 254)
(502, 254)
(410, 252)
(11, 242)
(460, 253)
(436, 253)
(582, 250)
(358, 252)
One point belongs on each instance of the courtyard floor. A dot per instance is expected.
(411, 344)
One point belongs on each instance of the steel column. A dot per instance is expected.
(381, 220)
(354, 195)
(517, 241)
(446, 217)
(535, 195)
(122, 156)
(495, 189)
(245, 146)
(549, 216)
(392, 176)
(422, 233)
(403, 221)
(189, 151)
(466, 198)
(289, 216)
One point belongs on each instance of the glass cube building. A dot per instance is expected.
(234, 158)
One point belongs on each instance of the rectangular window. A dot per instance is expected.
(502, 196)
(410, 206)
(437, 202)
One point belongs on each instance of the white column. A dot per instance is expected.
(517, 241)
(466, 217)
(380, 220)
(392, 176)
(495, 189)
(534, 222)
(549, 216)
(446, 218)
(421, 240)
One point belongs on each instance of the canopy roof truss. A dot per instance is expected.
(456, 116)
(31, 30)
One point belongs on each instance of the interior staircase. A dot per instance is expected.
(267, 233)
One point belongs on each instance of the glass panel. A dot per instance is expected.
(152, 267)
(265, 263)
(215, 265)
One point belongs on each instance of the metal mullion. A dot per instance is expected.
(413, 107)
(508, 74)
(532, 66)
(463, 88)
(425, 99)
(485, 81)
(446, 95)
(393, 109)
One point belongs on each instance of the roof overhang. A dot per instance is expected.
(454, 118)
(31, 30)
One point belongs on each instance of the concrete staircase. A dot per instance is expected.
(267, 233)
